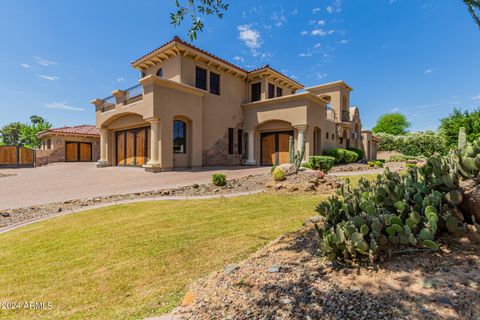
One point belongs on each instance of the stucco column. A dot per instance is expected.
(153, 165)
(103, 162)
(301, 132)
(251, 147)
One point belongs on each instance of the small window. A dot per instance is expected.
(214, 83)
(271, 91)
(240, 141)
(279, 92)
(201, 78)
(333, 136)
(142, 74)
(230, 140)
(160, 72)
(256, 91)
(326, 135)
(179, 136)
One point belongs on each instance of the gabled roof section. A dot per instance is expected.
(177, 46)
(82, 130)
(276, 75)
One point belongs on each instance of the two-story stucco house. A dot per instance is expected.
(194, 109)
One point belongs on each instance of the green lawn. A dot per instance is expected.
(136, 260)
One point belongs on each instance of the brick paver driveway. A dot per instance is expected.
(66, 181)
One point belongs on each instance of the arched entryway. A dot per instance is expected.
(275, 138)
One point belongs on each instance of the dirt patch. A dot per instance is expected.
(288, 280)
(303, 182)
(363, 167)
(4, 175)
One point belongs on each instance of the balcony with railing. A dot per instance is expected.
(120, 98)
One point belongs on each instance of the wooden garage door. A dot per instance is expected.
(78, 151)
(275, 147)
(133, 147)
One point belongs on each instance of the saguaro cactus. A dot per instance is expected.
(462, 138)
(291, 151)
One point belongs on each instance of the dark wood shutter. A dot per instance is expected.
(230, 140)
(240, 141)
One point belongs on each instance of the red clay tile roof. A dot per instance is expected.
(83, 130)
(177, 39)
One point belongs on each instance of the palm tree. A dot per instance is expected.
(473, 7)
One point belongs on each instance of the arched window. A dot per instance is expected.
(179, 136)
(160, 72)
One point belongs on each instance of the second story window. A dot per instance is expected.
(201, 78)
(160, 72)
(271, 91)
(279, 92)
(256, 91)
(214, 83)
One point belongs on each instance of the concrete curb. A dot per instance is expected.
(126, 201)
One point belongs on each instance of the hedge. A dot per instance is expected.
(341, 155)
(413, 144)
(323, 163)
(359, 152)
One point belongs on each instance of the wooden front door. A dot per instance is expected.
(78, 151)
(133, 147)
(275, 147)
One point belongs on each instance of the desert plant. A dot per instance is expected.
(219, 179)
(279, 174)
(399, 209)
(323, 163)
(272, 168)
(291, 150)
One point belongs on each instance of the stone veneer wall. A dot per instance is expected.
(218, 154)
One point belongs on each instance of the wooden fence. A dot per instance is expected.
(16, 157)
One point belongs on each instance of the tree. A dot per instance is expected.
(473, 7)
(449, 126)
(393, 123)
(21, 134)
(195, 9)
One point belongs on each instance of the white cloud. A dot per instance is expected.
(331, 32)
(321, 22)
(24, 65)
(303, 55)
(318, 45)
(62, 106)
(50, 78)
(393, 1)
(321, 75)
(330, 9)
(344, 41)
(237, 58)
(44, 62)
(121, 79)
(249, 36)
(476, 97)
(395, 110)
(318, 32)
(279, 18)
(428, 71)
(316, 10)
(294, 12)
(304, 32)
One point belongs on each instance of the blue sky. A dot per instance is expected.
(418, 57)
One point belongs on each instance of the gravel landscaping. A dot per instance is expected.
(304, 182)
(288, 280)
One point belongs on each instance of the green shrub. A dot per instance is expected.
(335, 153)
(323, 163)
(371, 164)
(378, 163)
(341, 155)
(307, 165)
(279, 174)
(350, 156)
(413, 144)
(219, 179)
(359, 152)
